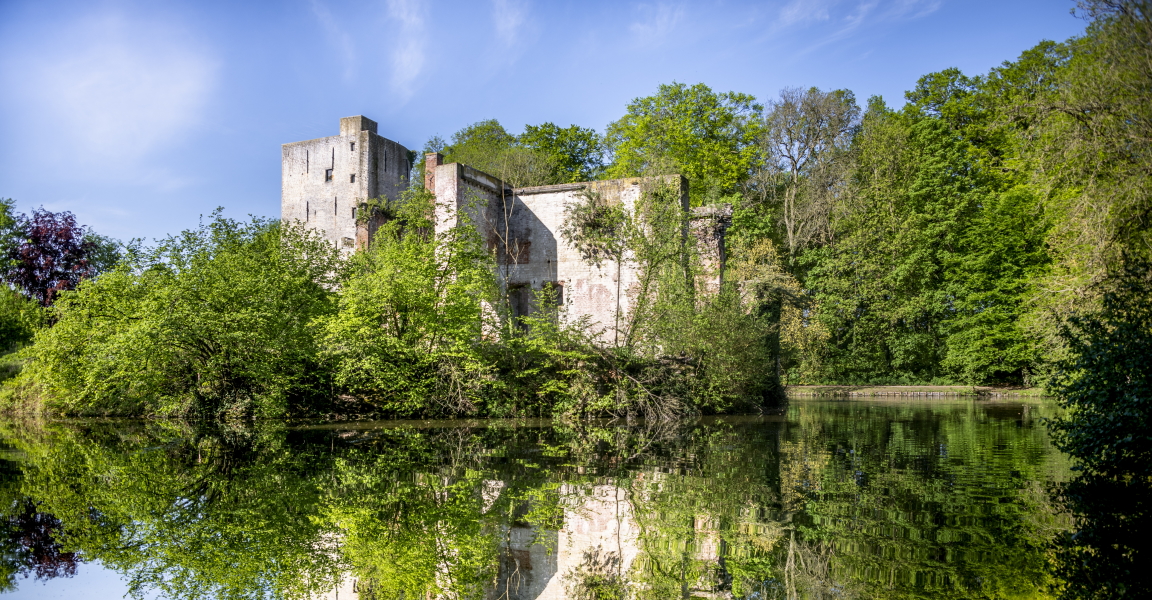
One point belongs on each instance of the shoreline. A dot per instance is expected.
(912, 390)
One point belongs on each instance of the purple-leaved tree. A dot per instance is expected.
(52, 255)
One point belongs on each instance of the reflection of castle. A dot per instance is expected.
(600, 538)
(599, 534)
(324, 180)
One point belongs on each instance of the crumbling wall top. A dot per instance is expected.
(354, 125)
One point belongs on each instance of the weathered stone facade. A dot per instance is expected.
(522, 227)
(324, 180)
(709, 225)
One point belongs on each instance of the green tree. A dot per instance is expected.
(487, 146)
(1105, 383)
(215, 321)
(708, 137)
(576, 153)
(410, 314)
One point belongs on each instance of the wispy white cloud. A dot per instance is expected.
(849, 15)
(510, 18)
(103, 94)
(803, 11)
(837, 20)
(409, 46)
(912, 9)
(658, 23)
(338, 37)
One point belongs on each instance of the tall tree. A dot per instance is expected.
(1093, 149)
(708, 137)
(576, 153)
(487, 146)
(804, 144)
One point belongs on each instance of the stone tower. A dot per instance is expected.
(324, 180)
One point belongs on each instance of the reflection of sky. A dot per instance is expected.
(91, 582)
(140, 116)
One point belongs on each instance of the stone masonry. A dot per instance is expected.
(323, 181)
(522, 227)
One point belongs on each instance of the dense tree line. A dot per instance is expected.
(945, 241)
(941, 242)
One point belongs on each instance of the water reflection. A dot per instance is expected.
(831, 500)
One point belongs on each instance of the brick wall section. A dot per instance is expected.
(709, 226)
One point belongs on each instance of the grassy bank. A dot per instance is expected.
(911, 390)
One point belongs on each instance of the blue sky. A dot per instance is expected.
(141, 116)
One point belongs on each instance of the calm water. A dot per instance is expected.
(832, 499)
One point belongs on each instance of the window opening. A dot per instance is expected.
(352, 146)
(307, 162)
(307, 209)
(520, 301)
(352, 179)
(328, 175)
(557, 288)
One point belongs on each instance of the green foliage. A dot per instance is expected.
(414, 538)
(409, 314)
(706, 136)
(10, 234)
(542, 155)
(105, 252)
(576, 153)
(20, 317)
(215, 321)
(594, 226)
(936, 248)
(1105, 382)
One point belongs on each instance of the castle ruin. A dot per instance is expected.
(323, 181)
(326, 179)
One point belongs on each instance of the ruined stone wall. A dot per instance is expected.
(521, 227)
(709, 226)
(324, 180)
(604, 293)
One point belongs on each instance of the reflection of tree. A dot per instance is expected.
(30, 545)
(186, 514)
(839, 500)
(1102, 558)
(708, 517)
(936, 504)
(597, 577)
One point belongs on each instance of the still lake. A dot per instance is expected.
(859, 498)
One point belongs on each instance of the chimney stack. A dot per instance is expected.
(431, 161)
